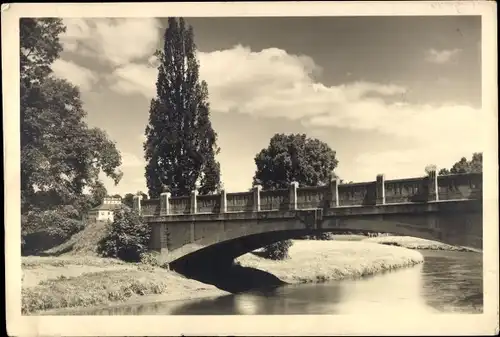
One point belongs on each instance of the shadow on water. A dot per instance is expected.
(232, 278)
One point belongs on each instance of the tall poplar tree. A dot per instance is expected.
(181, 145)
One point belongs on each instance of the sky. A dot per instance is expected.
(390, 95)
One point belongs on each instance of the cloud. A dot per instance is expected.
(77, 75)
(273, 83)
(441, 56)
(117, 40)
(409, 162)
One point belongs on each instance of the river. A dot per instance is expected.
(447, 282)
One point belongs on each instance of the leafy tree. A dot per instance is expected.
(430, 168)
(60, 154)
(181, 145)
(128, 236)
(294, 157)
(475, 165)
(288, 158)
(128, 199)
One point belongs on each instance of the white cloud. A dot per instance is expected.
(409, 162)
(77, 75)
(117, 40)
(273, 83)
(441, 56)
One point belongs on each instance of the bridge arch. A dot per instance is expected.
(440, 208)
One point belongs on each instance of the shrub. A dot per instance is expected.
(277, 250)
(324, 236)
(128, 236)
(41, 230)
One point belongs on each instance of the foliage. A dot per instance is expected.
(430, 168)
(41, 230)
(294, 157)
(323, 236)
(181, 145)
(277, 250)
(128, 199)
(60, 154)
(150, 258)
(475, 165)
(128, 237)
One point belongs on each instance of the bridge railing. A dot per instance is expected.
(379, 192)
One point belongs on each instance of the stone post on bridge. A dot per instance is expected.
(136, 204)
(165, 203)
(223, 201)
(333, 194)
(293, 195)
(432, 185)
(380, 190)
(256, 198)
(194, 204)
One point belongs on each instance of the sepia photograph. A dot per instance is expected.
(173, 164)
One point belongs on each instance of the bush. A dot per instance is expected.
(277, 250)
(41, 230)
(128, 237)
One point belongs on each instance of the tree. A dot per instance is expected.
(475, 165)
(128, 199)
(60, 155)
(289, 158)
(128, 236)
(294, 157)
(430, 168)
(181, 145)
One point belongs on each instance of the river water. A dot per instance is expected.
(447, 282)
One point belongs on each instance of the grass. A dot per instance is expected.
(84, 242)
(91, 289)
(86, 286)
(320, 261)
(414, 243)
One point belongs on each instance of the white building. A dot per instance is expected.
(105, 211)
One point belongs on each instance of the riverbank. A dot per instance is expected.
(321, 261)
(415, 243)
(76, 281)
(70, 282)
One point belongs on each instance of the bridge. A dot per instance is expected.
(442, 208)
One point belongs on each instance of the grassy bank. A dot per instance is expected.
(320, 261)
(56, 283)
(415, 243)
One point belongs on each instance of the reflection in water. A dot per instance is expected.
(453, 282)
(447, 282)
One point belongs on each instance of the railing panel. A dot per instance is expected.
(311, 197)
(460, 186)
(357, 194)
(180, 205)
(208, 203)
(405, 190)
(239, 202)
(274, 200)
(150, 207)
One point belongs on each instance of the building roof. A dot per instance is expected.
(106, 207)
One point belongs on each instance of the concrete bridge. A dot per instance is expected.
(441, 208)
